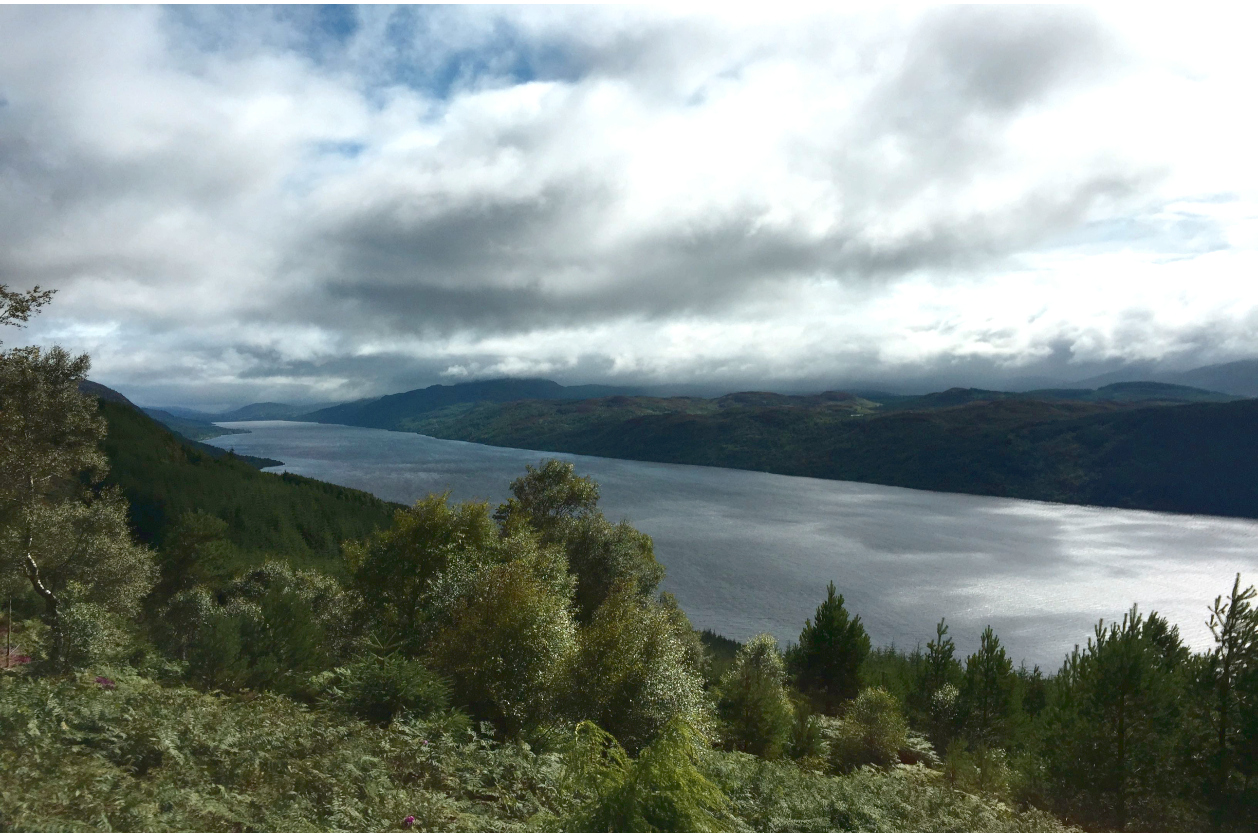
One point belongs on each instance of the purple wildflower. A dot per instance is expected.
(106, 683)
(409, 821)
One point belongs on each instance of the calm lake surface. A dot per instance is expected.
(748, 552)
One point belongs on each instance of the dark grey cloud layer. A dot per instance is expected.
(242, 203)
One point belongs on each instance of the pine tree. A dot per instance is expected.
(987, 690)
(826, 662)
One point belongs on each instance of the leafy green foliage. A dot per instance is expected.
(753, 702)
(141, 757)
(870, 733)
(394, 569)
(508, 638)
(54, 532)
(601, 555)
(562, 507)
(272, 628)
(663, 791)
(778, 796)
(987, 706)
(827, 660)
(1227, 677)
(636, 670)
(550, 494)
(379, 689)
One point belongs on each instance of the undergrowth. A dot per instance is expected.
(113, 750)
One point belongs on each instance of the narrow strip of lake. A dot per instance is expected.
(748, 552)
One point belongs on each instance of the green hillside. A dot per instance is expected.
(388, 411)
(1172, 457)
(164, 477)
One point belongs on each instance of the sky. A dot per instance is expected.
(312, 204)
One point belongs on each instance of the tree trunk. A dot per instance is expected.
(51, 604)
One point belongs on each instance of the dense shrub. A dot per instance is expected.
(635, 671)
(507, 640)
(871, 732)
(663, 790)
(394, 569)
(378, 689)
(752, 701)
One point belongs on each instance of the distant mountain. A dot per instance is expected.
(193, 429)
(266, 410)
(1147, 392)
(1238, 378)
(390, 411)
(101, 392)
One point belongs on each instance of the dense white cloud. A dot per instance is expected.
(296, 203)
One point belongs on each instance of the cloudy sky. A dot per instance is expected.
(317, 204)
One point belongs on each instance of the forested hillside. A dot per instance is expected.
(386, 411)
(164, 478)
(1144, 454)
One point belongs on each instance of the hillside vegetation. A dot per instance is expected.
(165, 478)
(386, 411)
(1116, 450)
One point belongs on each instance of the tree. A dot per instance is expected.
(987, 693)
(394, 569)
(753, 702)
(826, 662)
(506, 638)
(548, 495)
(935, 698)
(637, 669)
(54, 529)
(1228, 673)
(1114, 722)
(601, 555)
(562, 508)
(16, 308)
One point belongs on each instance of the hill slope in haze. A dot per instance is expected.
(388, 411)
(193, 429)
(1239, 378)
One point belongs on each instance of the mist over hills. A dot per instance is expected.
(1239, 378)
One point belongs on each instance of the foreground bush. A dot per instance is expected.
(379, 689)
(753, 702)
(870, 734)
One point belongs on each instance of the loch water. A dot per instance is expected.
(748, 552)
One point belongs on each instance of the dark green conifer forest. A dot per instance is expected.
(193, 644)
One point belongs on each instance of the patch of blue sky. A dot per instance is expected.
(497, 53)
(343, 150)
(318, 33)
(1175, 233)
